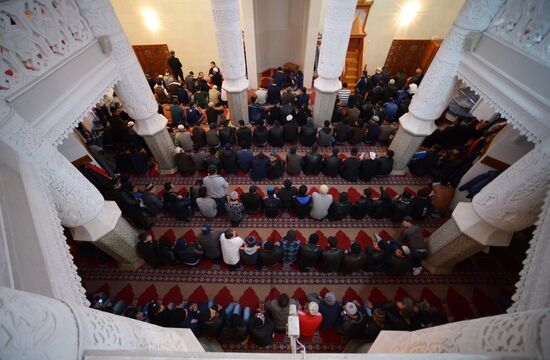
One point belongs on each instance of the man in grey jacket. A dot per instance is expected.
(210, 242)
(414, 237)
(293, 162)
(216, 187)
(321, 202)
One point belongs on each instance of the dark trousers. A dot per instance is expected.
(417, 257)
(220, 202)
(235, 266)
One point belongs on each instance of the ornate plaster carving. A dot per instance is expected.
(477, 14)
(34, 37)
(517, 335)
(533, 287)
(512, 201)
(525, 25)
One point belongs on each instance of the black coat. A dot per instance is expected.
(332, 259)
(308, 135)
(276, 136)
(244, 137)
(350, 169)
(339, 210)
(272, 206)
(275, 169)
(269, 258)
(290, 131)
(185, 164)
(312, 164)
(228, 160)
(309, 255)
(331, 166)
(342, 132)
(286, 195)
(353, 262)
(252, 203)
(368, 169)
(227, 135)
(258, 170)
(362, 208)
(301, 205)
(385, 166)
(260, 135)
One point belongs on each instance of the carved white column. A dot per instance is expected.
(518, 336)
(38, 327)
(334, 44)
(509, 203)
(80, 206)
(132, 87)
(533, 287)
(227, 25)
(440, 82)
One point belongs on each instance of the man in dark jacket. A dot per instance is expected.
(175, 65)
(385, 164)
(276, 135)
(340, 208)
(128, 206)
(363, 206)
(184, 161)
(308, 133)
(324, 136)
(354, 260)
(273, 94)
(382, 205)
(244, 135)
(235, 330)
(166, 252)
(212, 137)
(244, 159)
(421, 205)
(274, 114)
(367, 169)
(342, 132)
(228, 159)
(258, 170)
(301, 203)
(272, 205)
(211, 320)
(260, 134)
(332, 257)
(286, 193)
(275, 167)
(332, 164)
(152, 202)
(293, 162)
(399, 261)
(188, 254)
(350, 166)
(357, 134)
(252, 201)
(209, 241)
(376, 258)
(402, 207)
(226, 134)
(140, 162)
(261, 330)
(309, 254)
(148, 249)
(312, 162)
(352, 321)
(199, 137)
(270, 254)
(413, 236)
(290, 130)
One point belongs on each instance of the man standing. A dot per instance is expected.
(175, 65)
(413, 236)
(231, 244)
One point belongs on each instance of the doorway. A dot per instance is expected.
(152, 58)
(407, 55)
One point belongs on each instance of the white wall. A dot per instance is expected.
(433, 21)
(280, 31)
(186, 26)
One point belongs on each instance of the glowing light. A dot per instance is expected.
(408, 13)
(151, 19)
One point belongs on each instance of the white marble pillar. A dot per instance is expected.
(509, 203)
(310, 48)
(132, 87)
(249, 28)
(440, 82)
(227, 25)
(39, 327)
(517, 336)
(334, 45)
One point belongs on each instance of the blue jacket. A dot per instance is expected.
(259, 168)
(390, 110)
(330, 314)
(255, 113)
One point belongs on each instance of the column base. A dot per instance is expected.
(163, 150)
(447, 247)
(112, 234)
(323, 106)
(238, 106)
(404, 145)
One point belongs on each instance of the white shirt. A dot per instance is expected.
(230, 249)
(261, 96)
(207, 207)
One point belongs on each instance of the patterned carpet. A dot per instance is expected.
(477, 287)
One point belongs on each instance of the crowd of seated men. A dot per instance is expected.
(238, 324)
(394, 256)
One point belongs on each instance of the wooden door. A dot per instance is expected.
(152, 58)
(407, 55)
